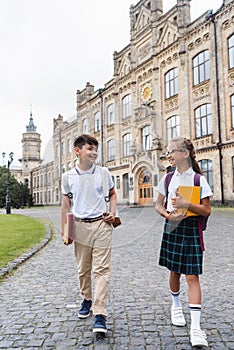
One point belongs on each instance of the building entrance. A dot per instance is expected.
(145, 188)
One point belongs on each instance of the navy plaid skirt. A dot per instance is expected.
(180, 248)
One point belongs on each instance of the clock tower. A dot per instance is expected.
(31, 149)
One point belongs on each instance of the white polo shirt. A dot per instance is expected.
(87, 190)
(184, 179)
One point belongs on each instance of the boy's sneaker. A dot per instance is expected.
(84, 311)
(99, 324)
(198, 337)
(177, 317)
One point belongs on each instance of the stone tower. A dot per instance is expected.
(31, 149)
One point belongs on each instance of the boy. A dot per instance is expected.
(92, 230)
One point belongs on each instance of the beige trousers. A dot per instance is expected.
(92, 246)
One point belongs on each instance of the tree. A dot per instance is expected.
(19, 193)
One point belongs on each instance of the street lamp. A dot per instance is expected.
(8, 200)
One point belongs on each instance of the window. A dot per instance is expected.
(231, 51)
(97, 122)
(146, 138)
(85, 126)
(201, 67)
(125, 186)
(62, 149)
(57, 151)
(110, 114)
(126, 105)
(111, 150)
(207, 170)
(232, 110)
(69, 146)
(171, 82)
(99, 158)
(203, 120)
(173, 127)
(49, 178)
(127, 140)
(56, 194)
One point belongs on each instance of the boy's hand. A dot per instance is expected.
(108, 217)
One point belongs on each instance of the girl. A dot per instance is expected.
(181, 250)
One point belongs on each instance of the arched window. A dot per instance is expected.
(69, 147)
(146, 138)
(127, 140)
(203, 120)
(111, 150)
(97, 122)
(85, 126)
(171, 83)
(173, 127)
(232, 110)
(201, 67)
(110, 114)
(207, 170)
(231, 51)
(126, 105)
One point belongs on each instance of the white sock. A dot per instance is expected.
(195, 312)
(176, 298)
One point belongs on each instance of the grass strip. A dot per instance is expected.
(18, 234)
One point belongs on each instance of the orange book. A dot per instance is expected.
(192, 195)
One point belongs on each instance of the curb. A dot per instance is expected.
(21, 259)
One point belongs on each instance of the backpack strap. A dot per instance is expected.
(201, 219)
(197, 179)
(166, 183)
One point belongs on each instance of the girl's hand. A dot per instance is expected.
(179, 202)
(175, 217)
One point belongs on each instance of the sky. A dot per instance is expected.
(52, 48)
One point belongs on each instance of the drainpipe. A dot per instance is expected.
(219, 143)
(100, 91)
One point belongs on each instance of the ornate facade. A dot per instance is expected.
(176, 77)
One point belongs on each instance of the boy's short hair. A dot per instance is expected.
(81, 140)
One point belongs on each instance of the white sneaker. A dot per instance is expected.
(198, 337)
(177, 317)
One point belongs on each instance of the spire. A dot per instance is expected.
(31, 127)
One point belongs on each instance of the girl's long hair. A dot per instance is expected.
(186, 144)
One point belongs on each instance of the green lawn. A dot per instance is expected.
(18, 234)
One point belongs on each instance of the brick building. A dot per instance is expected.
(175, 77)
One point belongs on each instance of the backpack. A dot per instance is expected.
(202, 220)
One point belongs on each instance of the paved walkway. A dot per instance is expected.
(40, 300)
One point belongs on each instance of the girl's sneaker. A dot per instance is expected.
(177, 317)
(198, 337)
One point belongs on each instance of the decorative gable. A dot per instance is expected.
(143, 19)
(124, 66)
(167, 35)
